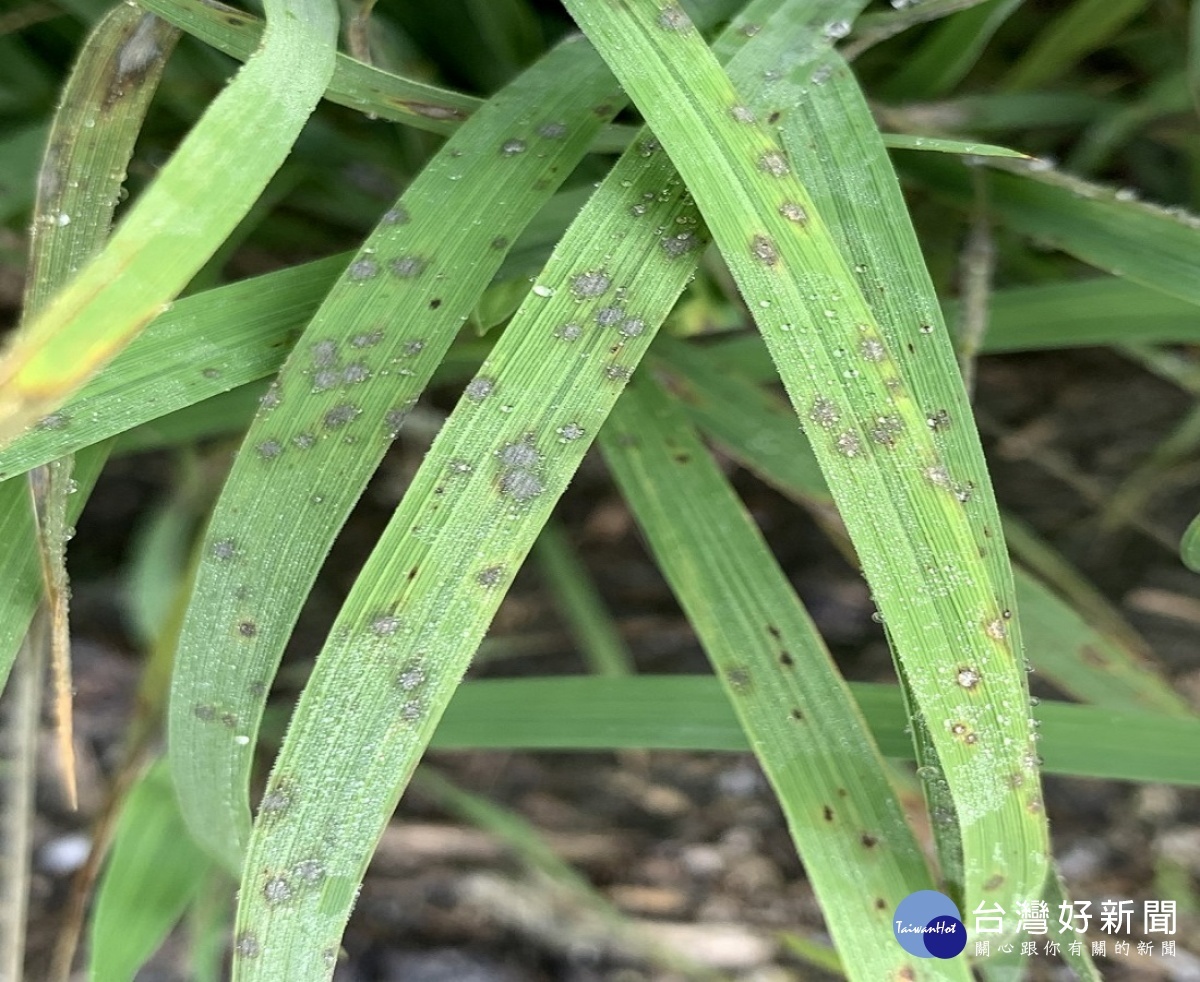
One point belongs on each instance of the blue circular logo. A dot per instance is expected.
(928, 924)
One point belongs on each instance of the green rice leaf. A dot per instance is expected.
(858, 851)
(898, 141)
(1078, 642)
(340, 399)
(1080, 29)
(1189, 546)
(425, 597)
(176, 224)
(692, 712)
(880, 396)
(1105, 227)
(153, 873)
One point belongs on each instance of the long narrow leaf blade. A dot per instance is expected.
(153, 873)
(338, 402)
(425, 597)
(1102, 226)
(915, 497)
(195, 202)
(692, 712)
(858, 852)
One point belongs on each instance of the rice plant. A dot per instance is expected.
(460, 257)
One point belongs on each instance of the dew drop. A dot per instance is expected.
(510, 148)
(837, 29)
(543, 291)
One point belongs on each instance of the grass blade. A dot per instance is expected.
(154, 872)
(204, 345)
(338, 402)
(80, 177)
(174, 226)
(1189, 546)
(580, 605)
(224, 338)
(422, 601)
(20, 712)
(898, 141)
(1081, 646)
(367, 88)
(1102, 226)
(682, 712)
(20, 569)
(1085, 26)
(950, 52)
(858, 852)
(914, 496)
